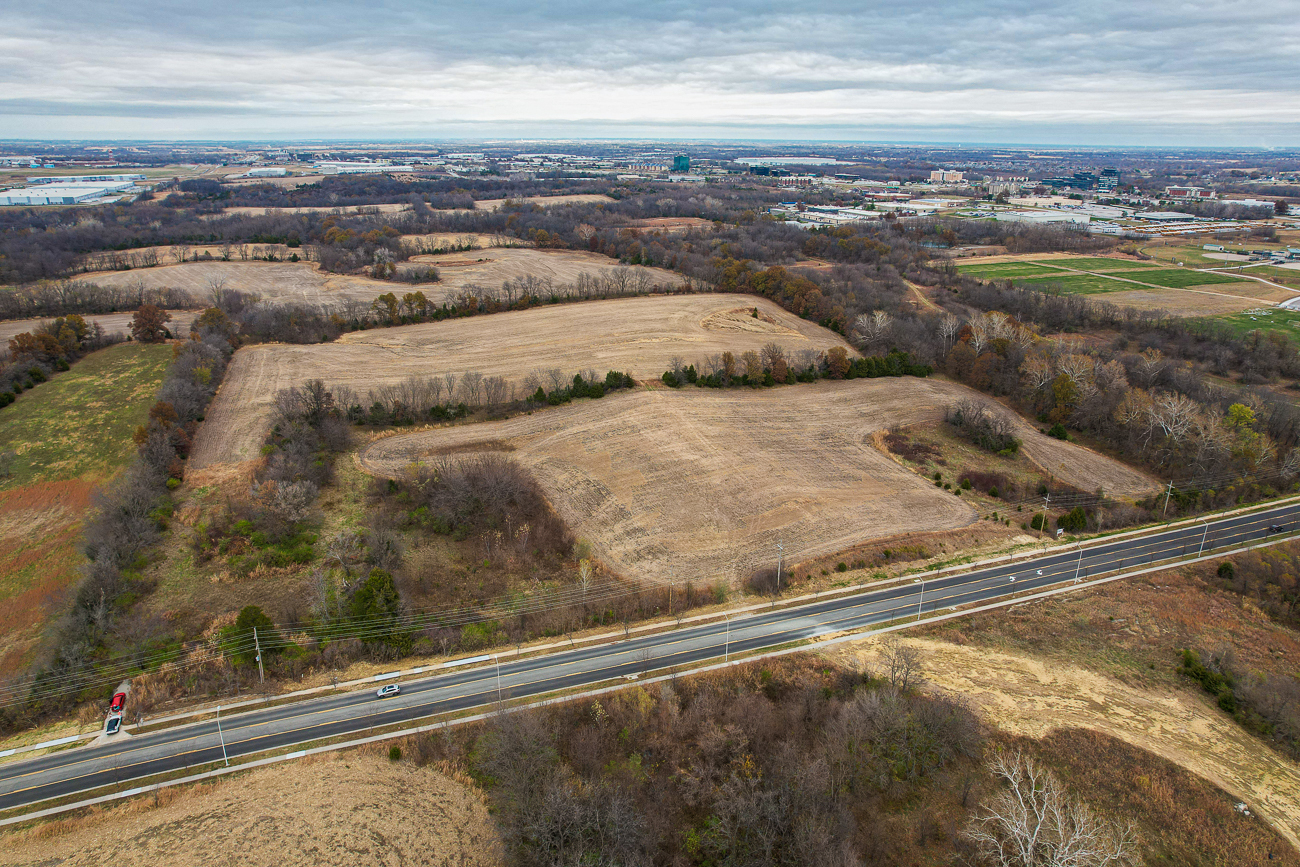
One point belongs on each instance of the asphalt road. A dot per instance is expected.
(84, 769)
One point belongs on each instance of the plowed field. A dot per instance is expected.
(304, 281)
(635, 335)
(702, 484)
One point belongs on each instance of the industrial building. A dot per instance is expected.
(267, 172)
(60, 194)
(123, 181)
(358, 168)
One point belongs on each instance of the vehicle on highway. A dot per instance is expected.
(119, 701)
(1277, 528)
(387, 690)
(113, 725)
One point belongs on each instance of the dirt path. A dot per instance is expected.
(919, 293)
(1029, 696)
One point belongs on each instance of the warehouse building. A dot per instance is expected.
(122, 181)
(62, 194)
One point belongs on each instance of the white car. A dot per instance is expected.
(387, 690)
(113, 725)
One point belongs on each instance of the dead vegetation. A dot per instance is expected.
(719, 477)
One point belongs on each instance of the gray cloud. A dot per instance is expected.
(1012, 69)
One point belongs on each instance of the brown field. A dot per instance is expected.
(1181, 301)
(701, 483)
(1029, 696)
(639, 336)
(110, 322)
(295, 281)
(670, 224)
(543, 201)
(306, 282)
(491, 266)
(337, 209)
(341, 809)
(478, 239)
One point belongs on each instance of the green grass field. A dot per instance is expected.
(1004, 270)
(80, 422)
(1099, 263)
(1078, 284)
(1179, 278)
(1276, 319)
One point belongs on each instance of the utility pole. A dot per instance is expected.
(1203, 534)
(726, 652)
(780, 554)
(497, 657)
(1168, 494)
(919, 601)
(1042, 526)
(261, 675)
(222, 737)
(1079, 563)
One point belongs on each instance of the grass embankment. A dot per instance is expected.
(69, 435)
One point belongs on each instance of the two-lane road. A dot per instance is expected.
(81, 770)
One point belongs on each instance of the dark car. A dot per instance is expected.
(113, 725)
(119, 702)
(1277, 528)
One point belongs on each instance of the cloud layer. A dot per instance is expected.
(997, 70)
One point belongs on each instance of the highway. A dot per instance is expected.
(81, 770)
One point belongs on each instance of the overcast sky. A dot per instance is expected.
(1084, 71)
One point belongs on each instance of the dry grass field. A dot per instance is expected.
(1185, 302)
(110, 322)
(1029, 696)
(491, 266)
(305, 282)
(702, 484)
(343, 809)
(338, 209)
(542, 201)
(635, 335)
(670, 225)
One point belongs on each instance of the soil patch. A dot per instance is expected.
(342, 809)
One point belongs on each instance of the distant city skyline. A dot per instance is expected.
(993, 72)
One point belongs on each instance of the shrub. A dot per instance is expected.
(1073, 521)
(1226, 570)
(1058, 431)
(394, 753)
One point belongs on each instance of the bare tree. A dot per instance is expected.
(471, 386)
(1033, 822)
(949, 325)
(873, 328)
(902, 664)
